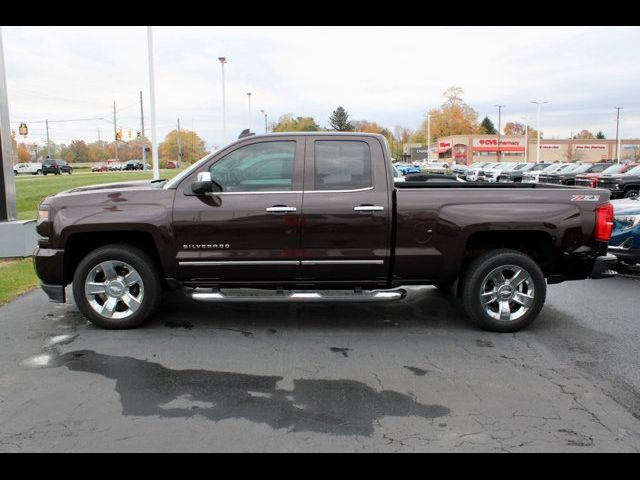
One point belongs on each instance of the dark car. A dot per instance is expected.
(568, 175)
(624, 185)
(625, 241)
(517, 174)
(591, 179)
(134, 165)
(316, 217)
(55, 166)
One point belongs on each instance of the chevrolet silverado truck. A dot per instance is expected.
(317, 217)
(622, 185)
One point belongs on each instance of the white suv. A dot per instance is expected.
(34, 168)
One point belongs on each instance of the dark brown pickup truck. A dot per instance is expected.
(317, 217)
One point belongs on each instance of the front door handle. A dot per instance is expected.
(281, 209)
(368, 208)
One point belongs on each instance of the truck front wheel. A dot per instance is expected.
(503, 290)
(117, 286)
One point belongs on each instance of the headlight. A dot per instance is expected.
(627, 222)
(43, 213)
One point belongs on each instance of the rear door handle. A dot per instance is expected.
(368, 208)
(281, 209)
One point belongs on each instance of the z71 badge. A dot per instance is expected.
(585, 198)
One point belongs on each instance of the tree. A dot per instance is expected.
(600, 135)
(193, 147)
(584, 134)
(98, 151)
(517, 128)
(23, 153)
(79, 151)
(403, 134)
(339, 120)
(487, 127)
(286, 123)
(454, 117)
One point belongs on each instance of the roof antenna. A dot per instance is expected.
(246, 133)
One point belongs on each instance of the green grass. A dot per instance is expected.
(16, 277)
(32, 189)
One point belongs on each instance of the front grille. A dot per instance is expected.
(584, 182)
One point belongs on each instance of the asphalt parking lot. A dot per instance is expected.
(408, 376)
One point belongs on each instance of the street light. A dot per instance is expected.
(499, 128)
(539, 103)
(265, 120)
(223, 60)
(526, 138)
(428, 136)
(617, 131)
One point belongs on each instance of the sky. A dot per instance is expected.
(390, 75)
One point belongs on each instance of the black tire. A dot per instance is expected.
(70, 171)
(15, 172)
(631, 193)
(479, 271)
(145, 267)
(39, 172)
(44, 173)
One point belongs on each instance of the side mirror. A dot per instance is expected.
(204, 184)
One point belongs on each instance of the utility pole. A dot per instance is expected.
(617, 132)
(115, 130)
(46, 122)
(98, 135)
(179, 145)
(193, 134)
(526, 139)
(223, 60)
(428, 137)
(499, 130)
(538, 128)
(265, 120)
(249, 97)
(144, 147)
(152, 100)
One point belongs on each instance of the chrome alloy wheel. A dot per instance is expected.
(114, 289)
(507, 293)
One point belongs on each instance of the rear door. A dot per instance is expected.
(346, 222)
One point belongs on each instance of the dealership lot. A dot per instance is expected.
(409, 376)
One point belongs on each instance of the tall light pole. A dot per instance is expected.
(499, 129)
(223, 60)
(144, 147)
(152, 105)
(265, 120)
(617, 132)
(249, 98)
(428, 137)
(526, 139)
(539, 103)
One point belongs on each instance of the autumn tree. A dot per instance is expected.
(79, 151)
(487, 127)
(23, 153)
(339, 120)
(193, 147)
(98, 151)
(600, 135)
(517, 128)
(286, 123)
(403, 134)
(454, 117)
(584, 135)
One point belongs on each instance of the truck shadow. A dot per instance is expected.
(423, 307)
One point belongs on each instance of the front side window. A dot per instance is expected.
(258, 167)
(342, 165)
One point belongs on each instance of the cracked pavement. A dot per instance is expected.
(414, 375)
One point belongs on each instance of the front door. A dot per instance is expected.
(251, 230)
(346, 223)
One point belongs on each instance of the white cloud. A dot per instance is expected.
(390, 75)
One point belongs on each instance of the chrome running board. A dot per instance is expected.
(216, 296)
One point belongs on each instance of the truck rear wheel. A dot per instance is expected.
(117, 286)
(503, 290)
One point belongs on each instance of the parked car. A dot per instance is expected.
(234, 220)
(473, 172)
(99, 168)
(459, 169)
(172, 164)
(549, 177)
(134, 165)
(533, 176)
(591, 179)
(568, 177)
(115, 166)
(624, 185)
(625, 241)
(406, 168)
(33, 168)
(491, 174)
(517, 174)
(397, 175)
(56, 166)
(437, 167)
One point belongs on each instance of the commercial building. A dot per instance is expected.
(467, 149)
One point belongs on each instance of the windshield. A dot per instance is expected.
(634, 171)
(519, 167)
(613, 169)
(582, 168)
(504, 166)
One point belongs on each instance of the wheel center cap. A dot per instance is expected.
(506, 291)
(115, 288)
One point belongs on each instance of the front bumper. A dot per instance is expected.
(49, 266)
(602, 267)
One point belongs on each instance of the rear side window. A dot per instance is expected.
(342, 165)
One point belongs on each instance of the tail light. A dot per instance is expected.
(604, 222)
(594, 182)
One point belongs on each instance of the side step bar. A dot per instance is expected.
(333, 296)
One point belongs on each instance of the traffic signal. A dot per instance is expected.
(138, 134)
(129, 134)
(119, 134)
